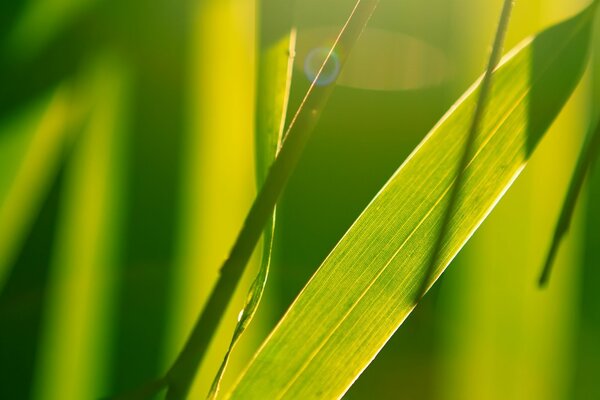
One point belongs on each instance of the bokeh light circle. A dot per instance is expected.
(313, 62)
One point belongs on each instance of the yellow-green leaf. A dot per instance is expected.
(365, 288)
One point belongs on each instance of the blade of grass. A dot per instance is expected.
(274, 81)
(183, 370)
(365, 288)
(587, 157)
(478, 115)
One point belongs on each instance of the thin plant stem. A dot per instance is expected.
(484, 93)
(587, 157)
(181, 374)
(273, 98)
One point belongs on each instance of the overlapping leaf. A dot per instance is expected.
(365, 288)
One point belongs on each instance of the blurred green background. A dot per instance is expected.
(127, 167)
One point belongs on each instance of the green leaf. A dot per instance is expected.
(274, 80)
(478, 113)
(365, 288)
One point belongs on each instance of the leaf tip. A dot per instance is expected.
(547, 270)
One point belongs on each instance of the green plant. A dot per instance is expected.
(394, 251)
(338, 303)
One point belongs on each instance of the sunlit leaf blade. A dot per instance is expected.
(478, 113)
(588, 155)
(274, 80)
(365, 288)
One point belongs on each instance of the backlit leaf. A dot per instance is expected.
(365, 288)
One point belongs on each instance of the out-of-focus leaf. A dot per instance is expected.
(156, 52)
(72, 359)
(31, 74)
(588, 156)
(30, 156)
(365, 288)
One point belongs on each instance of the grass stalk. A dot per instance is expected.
(182, 373)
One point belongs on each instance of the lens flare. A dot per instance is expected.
(313, 62)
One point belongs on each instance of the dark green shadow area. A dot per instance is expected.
(27, 77)
(23, 298)
(585, 384)
(155, 44)
(587, 351)
(10, 12)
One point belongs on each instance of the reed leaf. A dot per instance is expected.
(366, 287)
(486, 82)
(182, 372)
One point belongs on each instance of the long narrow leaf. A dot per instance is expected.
(365, 288)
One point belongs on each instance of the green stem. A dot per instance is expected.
(484, 93)
(182, 373)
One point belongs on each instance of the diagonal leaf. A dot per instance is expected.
(365, 288)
